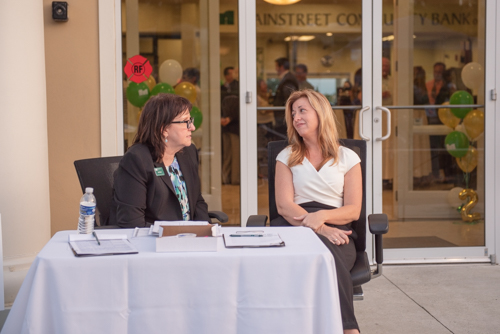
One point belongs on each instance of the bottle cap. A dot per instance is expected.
(89, 190)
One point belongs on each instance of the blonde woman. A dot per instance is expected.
(319, 185)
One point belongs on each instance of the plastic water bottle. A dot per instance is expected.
(87, 212)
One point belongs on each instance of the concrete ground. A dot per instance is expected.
(461, 298)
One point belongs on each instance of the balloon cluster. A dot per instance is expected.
(170, 74)
(468, 124)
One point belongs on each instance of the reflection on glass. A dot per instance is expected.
(433, 54)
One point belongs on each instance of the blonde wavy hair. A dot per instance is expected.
(328, 138)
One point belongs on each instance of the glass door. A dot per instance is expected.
(408, 77)
(429, 65)
(315, 44)
(192, 48)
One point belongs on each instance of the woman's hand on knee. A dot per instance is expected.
(335, 235)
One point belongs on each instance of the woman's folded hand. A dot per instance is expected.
(313, 220)
(335, 235)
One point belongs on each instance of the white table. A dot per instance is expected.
(291, 289)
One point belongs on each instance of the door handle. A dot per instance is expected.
(388, 112)
(360, 123)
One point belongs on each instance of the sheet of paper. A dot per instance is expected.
(101, 236)
(266, 240)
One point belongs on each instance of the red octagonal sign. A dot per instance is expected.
(138, 69)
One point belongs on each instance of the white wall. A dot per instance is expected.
(24, 175)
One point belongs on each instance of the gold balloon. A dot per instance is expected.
(187, 90)
(151, 82)
(474, 123)
(467, 207)
(447, 117)
(468, 162)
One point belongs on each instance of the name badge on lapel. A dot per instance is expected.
(159, 171)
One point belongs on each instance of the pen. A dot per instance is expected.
(246, 235)
(96, 238)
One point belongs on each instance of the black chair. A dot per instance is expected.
(98, 174)
(378, 223)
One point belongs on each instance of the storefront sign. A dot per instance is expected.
(354, 19)
(342, 18)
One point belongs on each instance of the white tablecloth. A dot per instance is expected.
(291, 289)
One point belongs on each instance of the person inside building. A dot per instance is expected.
(157, 179)
(192, 75)
(301, 75)
(265, 124)
(319, 185)
(230, 122)
(288, 84)
(422, 161)
(438, 92)
(230, 86)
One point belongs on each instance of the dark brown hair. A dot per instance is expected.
(157, 114)
(283, 62)
(419, 78)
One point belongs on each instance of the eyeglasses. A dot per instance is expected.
(188, 122)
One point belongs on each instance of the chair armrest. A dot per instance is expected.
(378, 223)
(219, 215)
(257, 220)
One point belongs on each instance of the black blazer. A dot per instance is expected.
(141, 197)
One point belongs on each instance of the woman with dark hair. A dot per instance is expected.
(419, 89)
(157, 179)
(319, 185)
(422, 154)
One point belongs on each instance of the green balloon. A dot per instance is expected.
(137, 93)
(162, 88)
(461, 97)
(197, 115)
(457, 144)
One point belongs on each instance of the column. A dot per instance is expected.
(24, 173)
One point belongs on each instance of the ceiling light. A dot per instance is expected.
(282, 2)
(329, 34)
(305, 38)
(391, 38)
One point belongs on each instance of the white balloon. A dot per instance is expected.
(453, 198)
(461, 128)
(473, 75)
(170, 72)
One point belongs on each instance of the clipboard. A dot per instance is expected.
(247, 241)
(110, 244)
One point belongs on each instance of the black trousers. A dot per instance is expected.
(344, 257)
